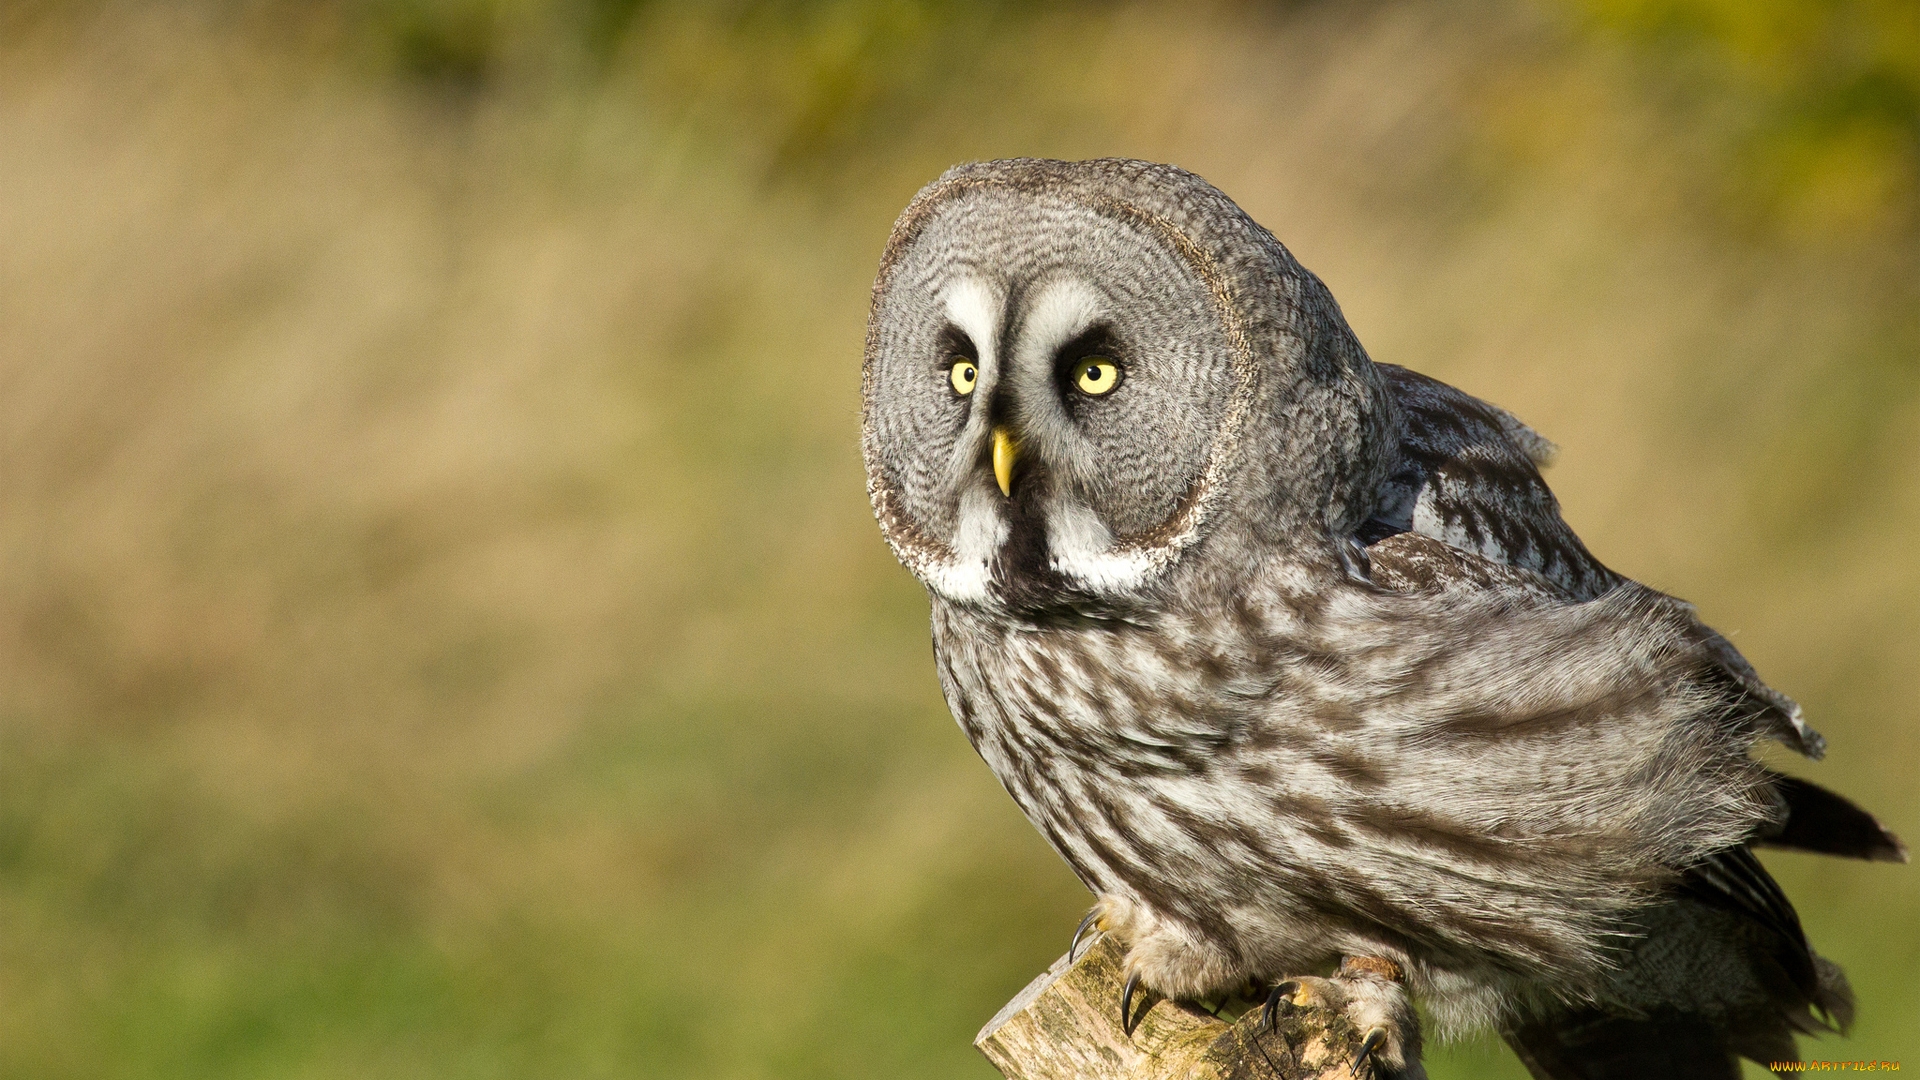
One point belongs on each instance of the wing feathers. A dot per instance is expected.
(1724, 970)
(1586, 1045)
(1734, 880)
(1469, 477)
(1825, 823)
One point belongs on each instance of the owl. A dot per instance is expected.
(1292, 659)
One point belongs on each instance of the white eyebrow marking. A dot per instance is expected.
(975, 309)
(1064, 310)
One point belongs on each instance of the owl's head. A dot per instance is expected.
(1080, 375)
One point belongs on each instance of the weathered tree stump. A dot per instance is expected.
(1066, 1026)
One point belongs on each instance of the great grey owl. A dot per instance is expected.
(1291, 657)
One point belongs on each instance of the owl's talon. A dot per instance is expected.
(1370, 994)
(1282, 994)
(1127, 1022)
(1368, 1045)
(1073, 947)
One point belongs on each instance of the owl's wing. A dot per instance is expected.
(1589, 1044)
(1467, 512)
(1732, 938)
(1722, 969)
(1469, 476)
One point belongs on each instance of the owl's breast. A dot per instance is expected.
(1277, 808)
(1148, 779)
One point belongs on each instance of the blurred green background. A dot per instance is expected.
(442, 631)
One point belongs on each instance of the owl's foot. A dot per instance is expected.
(1368, 992)
(1095, 921)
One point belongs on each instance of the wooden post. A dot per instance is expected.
(1066, 1026)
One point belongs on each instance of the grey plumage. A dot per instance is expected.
(1291, 656)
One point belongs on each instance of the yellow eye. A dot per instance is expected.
(1096, 375)
(963, 375)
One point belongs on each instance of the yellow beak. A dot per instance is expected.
(1003, 455)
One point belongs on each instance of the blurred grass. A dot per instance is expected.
(441, 628)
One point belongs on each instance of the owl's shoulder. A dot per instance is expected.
(1411, 563)
(1467, 508)
(1468, 475)
(1440, 420)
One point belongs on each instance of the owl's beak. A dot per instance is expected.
(1004, 451)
